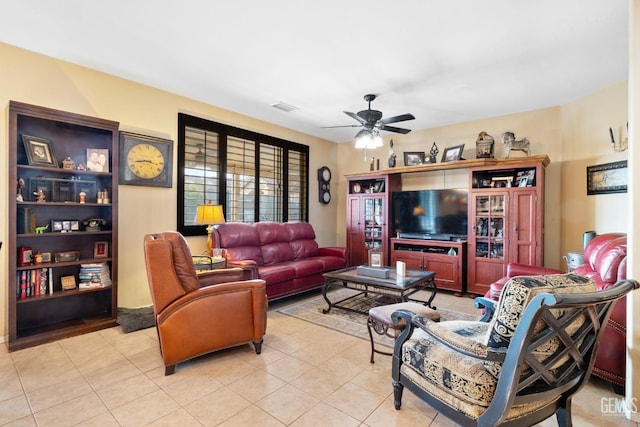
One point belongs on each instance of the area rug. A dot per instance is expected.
(310, 310)
(133, 319)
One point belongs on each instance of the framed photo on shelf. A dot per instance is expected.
(453, 153)
(412, 158)
(39, 151)
(101, 250)
(375, 258)
(98, 159)
(64, 226)
(607, 178)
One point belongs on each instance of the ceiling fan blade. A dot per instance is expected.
(395, 129)
(400, 118)
(359, 134)
(355, 116)
(345, 126)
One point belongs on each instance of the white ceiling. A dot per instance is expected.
(444, 61)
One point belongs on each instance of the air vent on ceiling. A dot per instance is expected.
(285, 107)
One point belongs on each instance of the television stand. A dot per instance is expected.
(434, 255)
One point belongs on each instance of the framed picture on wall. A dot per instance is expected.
(607, 178)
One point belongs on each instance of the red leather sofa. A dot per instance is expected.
(606, 262)
(285, 255)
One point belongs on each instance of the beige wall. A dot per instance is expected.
(39, 80)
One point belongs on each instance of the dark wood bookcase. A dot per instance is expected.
(84, 227)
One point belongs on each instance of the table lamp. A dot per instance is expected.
(211, 216)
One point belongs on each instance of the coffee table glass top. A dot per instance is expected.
(394, 281)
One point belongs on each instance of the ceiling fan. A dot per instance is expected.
(372, 121)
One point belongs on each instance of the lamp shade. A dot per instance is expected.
(209, 214)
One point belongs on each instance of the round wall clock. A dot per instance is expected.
(145, 160)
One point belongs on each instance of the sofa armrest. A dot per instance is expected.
(514, 269)
(334, 251)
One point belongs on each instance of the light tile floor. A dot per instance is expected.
(307, 375)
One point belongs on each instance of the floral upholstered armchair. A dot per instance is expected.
(522, 366)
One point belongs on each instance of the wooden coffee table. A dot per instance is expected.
(376, 291)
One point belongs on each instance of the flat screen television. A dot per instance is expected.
(430, 214)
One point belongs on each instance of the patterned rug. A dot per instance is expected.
(310, 310)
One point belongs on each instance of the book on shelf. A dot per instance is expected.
(33, 283)
(94, 275)
(27, 221)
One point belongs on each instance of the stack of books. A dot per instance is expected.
(95, 275)
(33, 283)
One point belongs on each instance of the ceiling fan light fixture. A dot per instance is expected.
(369, 139)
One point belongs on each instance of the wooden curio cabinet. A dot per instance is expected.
(63, 225)
(368, 224)
(506, 212)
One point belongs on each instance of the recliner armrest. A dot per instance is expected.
(223, 275)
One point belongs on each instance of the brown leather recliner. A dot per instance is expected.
(606, 262)
(198, 314)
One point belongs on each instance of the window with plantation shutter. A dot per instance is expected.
(255, 177)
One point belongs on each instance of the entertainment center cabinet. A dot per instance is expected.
(505, 221)
(446, 259)
(368, 204)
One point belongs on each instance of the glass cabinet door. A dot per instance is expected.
(489, 226)
(374, 222)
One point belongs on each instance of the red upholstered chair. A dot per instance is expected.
(199, 314)
(606, 263)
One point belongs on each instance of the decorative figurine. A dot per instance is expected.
(392, 155)
(40, 229)
(509, 139)
(68, 163)
(20, 190)
(433, 153)
(40, 196)
(83, 196)
(484, 146)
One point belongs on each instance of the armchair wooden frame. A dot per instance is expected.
(546, 385)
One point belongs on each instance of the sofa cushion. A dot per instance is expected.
(331, 263)
(236, 234)
(271, 232)
(276, 273)
(303, 239)
(306, 267)
(241, 241)
(304, 248)
(300, 231)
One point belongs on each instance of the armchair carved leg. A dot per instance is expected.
(397, 394)
(258, 346)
